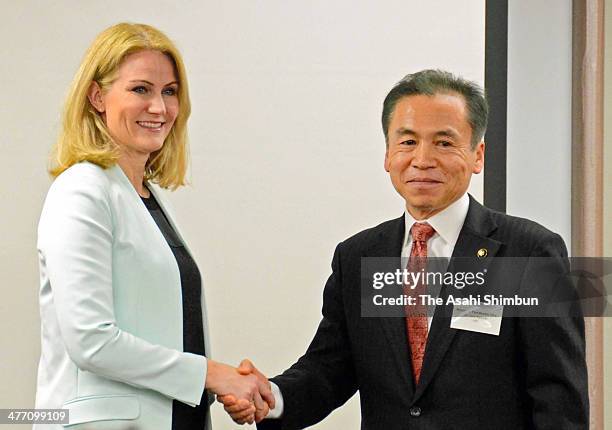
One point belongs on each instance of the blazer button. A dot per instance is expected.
(415, 411)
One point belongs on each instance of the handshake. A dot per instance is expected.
(244, 391)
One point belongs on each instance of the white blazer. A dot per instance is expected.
(111, 307)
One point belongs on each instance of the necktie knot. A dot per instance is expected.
(421, 232)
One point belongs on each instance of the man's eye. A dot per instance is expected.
(445, 143)
(139, 89)
(408, 142)
(170, 91)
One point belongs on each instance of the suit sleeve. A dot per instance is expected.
(553, 349)
(75, 247)
(324, 377)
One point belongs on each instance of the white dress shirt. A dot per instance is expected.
(447, 224)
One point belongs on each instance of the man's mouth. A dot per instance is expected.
(424, 181)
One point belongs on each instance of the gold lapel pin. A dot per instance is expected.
(482, 253)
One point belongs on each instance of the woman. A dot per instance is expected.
(123, 325)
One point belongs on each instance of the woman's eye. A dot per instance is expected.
(139, 90)
(170, 91)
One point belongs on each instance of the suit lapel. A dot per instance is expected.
(474, 236)
(389, 245)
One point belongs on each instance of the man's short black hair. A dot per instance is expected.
(431, 82)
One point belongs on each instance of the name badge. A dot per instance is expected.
(481, 319)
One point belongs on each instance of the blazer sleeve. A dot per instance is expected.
(324, 377)
(553, 347)
(75, 239)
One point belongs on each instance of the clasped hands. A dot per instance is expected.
(244, 391)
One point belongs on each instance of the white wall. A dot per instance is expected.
(286, 144)
(539, 112)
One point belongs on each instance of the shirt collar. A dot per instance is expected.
(447, 223)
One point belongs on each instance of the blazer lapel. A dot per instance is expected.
(474, 236)
(389, 245)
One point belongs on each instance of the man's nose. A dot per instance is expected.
(423, 156)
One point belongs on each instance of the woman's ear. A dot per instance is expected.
(94, 94)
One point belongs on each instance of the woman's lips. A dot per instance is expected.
(151, 125)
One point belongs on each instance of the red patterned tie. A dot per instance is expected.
(416, 316)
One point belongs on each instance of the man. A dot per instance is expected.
(425, 374)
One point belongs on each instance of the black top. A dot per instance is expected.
(184, 416)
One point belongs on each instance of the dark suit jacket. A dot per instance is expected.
(533, 375)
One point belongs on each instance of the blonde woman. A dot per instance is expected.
(124, 339)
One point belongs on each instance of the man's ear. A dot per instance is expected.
(94, 94)
(387, 159)
(479, 162)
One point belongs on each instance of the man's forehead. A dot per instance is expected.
(450, 98)
(436, 109)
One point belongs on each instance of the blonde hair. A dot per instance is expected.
(84, 135)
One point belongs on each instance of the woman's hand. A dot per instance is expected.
(248, 389)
